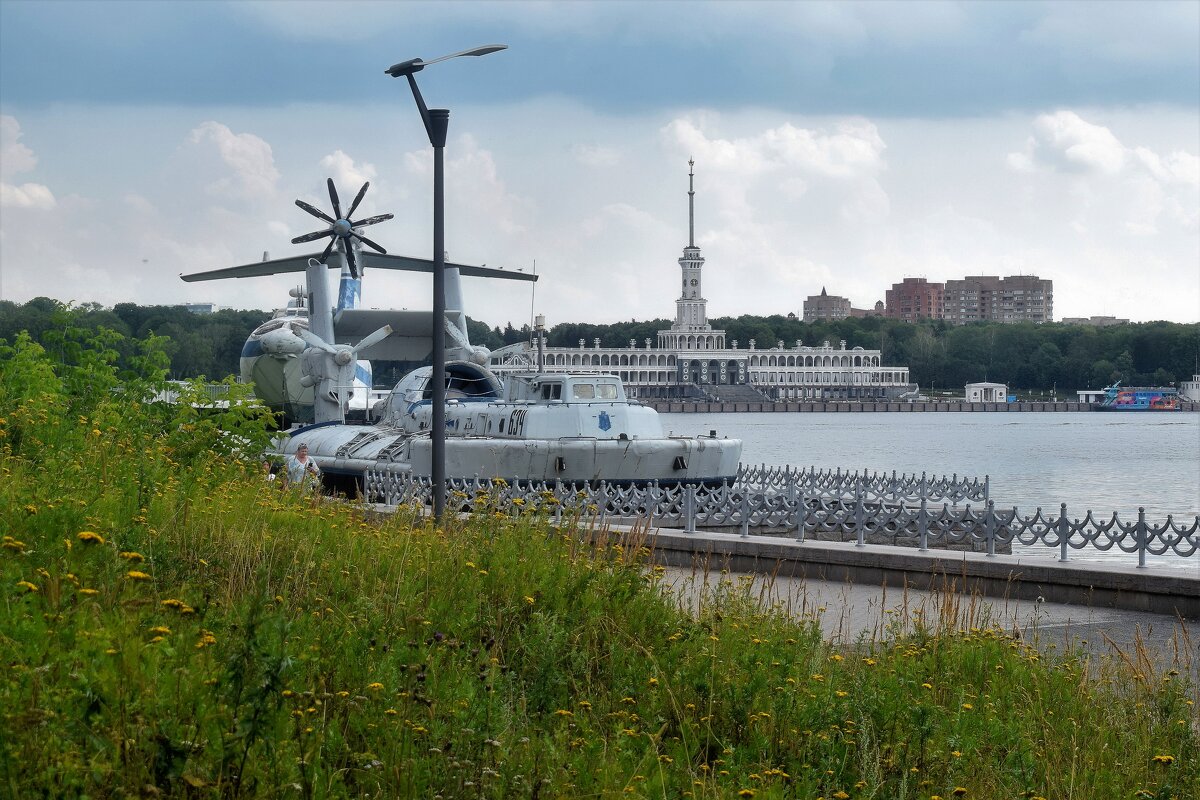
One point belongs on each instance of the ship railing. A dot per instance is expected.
(803, 513)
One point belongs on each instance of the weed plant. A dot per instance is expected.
(173, 626)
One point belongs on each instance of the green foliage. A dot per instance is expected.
(173, 626)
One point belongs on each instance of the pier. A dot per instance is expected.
(859, 406)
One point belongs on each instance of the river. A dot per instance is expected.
(1088, 460)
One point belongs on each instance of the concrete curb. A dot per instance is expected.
(1152, 590)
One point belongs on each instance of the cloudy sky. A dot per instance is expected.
(837, 145)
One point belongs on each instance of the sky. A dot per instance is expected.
(842, 146)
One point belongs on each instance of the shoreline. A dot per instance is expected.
(858, 406)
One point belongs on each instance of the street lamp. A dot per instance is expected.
(437, 122)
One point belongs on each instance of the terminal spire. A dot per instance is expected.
(691, 204)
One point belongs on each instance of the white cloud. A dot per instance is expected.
(27, 195)
(16, 158)
(347, 175)
(250, 158)
(1141, 189)
(1065, 141)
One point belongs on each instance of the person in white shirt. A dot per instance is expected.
(300, 467)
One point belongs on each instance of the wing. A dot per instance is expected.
(276, 266)
(279, 266)
(409, 264)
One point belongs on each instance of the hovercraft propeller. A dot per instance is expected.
(343, 227)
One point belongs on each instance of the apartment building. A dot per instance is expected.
(913, 299)
(987, 298)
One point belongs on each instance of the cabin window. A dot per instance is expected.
(584, 391)
(606, 391)
(551, 391)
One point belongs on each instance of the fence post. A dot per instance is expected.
(558, 497)
(1142, 535)
(1064, 531)
(801, 514)
(989, 528)
(689, 508)
(923, 526)
(861, 539)
(987, 488)
(745, 512)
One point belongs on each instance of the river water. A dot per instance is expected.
(1104, 462)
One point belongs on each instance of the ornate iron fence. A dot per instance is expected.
(807, 504)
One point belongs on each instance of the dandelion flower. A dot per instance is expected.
(27, 586)
(967, 706)
(90, 537)
(136, 575)
(959, 791)
(1164, 759)
(375, 687)
(130, 555)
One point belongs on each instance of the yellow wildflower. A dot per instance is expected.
(130, 555)
(136, 575)
(90, 537)
(27, 586)
(1163, 759)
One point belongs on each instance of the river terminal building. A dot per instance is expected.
(693, 360)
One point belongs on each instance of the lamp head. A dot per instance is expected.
(414, 65)
(405, 67)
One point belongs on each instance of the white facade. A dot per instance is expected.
(987, 393)
(1190, 390)
(691, 359)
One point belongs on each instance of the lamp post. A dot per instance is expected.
(437, 122)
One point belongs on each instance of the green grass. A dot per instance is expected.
(282, 645)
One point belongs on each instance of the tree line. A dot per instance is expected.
(941, 357)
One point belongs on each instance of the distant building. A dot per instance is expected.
(693, 360)
(987, 298)
(1190, 390)
(987, 393)
(1095, 322)
(202, 308)
(914, 299)
(826, 306)
(877, 311)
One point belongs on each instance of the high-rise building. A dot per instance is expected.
(913, 299)
(987, 298)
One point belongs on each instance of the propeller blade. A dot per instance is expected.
(324, 259)
(454, 333)
(372, 220)
(316, 212)
(313, 340)
(358, 199)
(367, 241)
(352, 262)
(337, 207)
(310, 237)
(375, 338)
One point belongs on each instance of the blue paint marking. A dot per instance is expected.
(252, 348)
(363, 374)
(605, 422)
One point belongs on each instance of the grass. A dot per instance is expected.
(172, 626)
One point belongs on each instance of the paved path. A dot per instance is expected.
(853, 611)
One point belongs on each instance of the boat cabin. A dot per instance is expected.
(560, 388)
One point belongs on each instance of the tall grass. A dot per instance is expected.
(171, 625)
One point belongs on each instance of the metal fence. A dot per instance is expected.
(806, 504)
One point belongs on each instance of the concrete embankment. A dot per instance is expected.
(852, 406)
(1161, 591)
